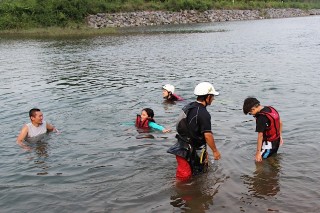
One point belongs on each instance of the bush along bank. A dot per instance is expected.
(152, 18)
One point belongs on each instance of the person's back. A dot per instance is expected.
(195, 123)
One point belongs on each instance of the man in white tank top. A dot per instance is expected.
(36, 127)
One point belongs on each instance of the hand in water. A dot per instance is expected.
(24, 147)
(217, 155)
(166, 130)
(56, 131)
(258, 157)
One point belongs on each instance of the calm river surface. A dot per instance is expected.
(92, 88)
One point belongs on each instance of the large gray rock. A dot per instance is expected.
(150, 18)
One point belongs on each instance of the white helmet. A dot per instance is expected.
(169, 88)
(205, 88)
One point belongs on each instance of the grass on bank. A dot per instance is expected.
(59, 17)
(57, 32)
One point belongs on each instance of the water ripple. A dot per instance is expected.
(91, 90)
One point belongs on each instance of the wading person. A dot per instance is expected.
(194, 134)
(268, 126)
(35, 128)
(168, 93)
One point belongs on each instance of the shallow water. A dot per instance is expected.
(92, 88)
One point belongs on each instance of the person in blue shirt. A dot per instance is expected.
(146, 121)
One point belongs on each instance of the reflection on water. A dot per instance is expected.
(37, 151)
(144, 135)
(170, 29)
(197, 194)
(265, 179)
(193, 196)
(40, 149)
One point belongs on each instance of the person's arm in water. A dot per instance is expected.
(259, 147)
(158, 127)
(178, 98)
(51, 128)
(210, 141)
(22, 135)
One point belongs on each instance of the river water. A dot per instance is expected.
(92, 88)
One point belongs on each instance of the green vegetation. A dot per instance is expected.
(56, 32)
(70, 14)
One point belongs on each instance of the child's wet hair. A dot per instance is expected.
(149, 112)
(249, 103)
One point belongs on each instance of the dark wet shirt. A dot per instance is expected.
(262, 122)
(199, 121)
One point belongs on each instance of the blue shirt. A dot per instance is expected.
(155, 126)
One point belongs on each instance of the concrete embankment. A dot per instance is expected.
(150, 18)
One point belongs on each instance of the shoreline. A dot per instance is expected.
(109, 23)
(155, 18)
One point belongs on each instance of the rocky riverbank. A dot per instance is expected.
(151, 18)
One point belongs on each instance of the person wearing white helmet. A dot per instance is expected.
(168, 93)
(194, 134)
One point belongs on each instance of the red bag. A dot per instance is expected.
(183, 169)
